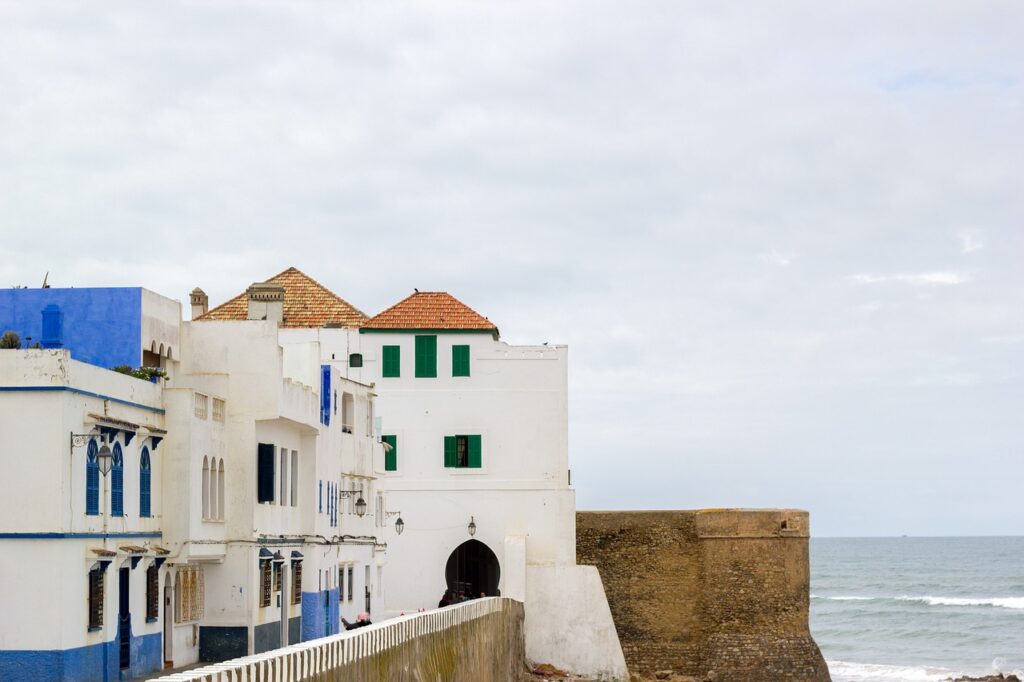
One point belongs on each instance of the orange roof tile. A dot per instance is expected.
(307, 303)
(430, 310)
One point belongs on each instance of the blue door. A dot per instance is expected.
(124, 621)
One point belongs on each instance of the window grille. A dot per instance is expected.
(95, 599)
(200, 406)
(189, 595)
(152, 593)
(351, 580)
(265, 569)
(218, 410)
(278, 570)
(341, 583)
(296, 582)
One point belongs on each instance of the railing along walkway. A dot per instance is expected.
(303, 660)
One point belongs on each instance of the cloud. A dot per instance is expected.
(921, 279)
(970, 241)
(777, 258)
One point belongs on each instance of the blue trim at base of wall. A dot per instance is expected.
(313, 608)
(93, 663)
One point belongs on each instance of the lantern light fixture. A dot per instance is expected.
(471, 527)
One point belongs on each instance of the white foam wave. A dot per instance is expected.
(1001, 602)
(844, 671)
(1016, 603)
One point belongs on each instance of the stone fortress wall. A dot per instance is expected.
(722, 590)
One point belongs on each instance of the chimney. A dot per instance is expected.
(200, 302)
(266, 302)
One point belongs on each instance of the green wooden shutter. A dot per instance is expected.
(449, 451)
(474, 452)
(460, 361)
(391, 456)
(392, 361)
(426, 356)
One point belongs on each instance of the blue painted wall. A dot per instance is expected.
(95, 663)
(101, 326)
(314, 623)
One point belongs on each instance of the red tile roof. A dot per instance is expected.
(430, 310)
(307, 303)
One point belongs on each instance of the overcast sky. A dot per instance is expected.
(784, 241)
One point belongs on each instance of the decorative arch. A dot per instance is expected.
(145, 483)
(206, 487)
(220, 490)
(92, 479)
(472, 570)
(117, 481)
(169, 355)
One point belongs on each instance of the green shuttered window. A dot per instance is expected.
(392, 361)
(460, 361)
(390, 456)
(463, 452)
(426, 357)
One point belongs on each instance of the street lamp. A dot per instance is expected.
(399, 525)
(105, 459)
(360, 507)
(360, 502)
(471, 527)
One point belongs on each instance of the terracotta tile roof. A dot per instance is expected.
(430, 310)
(307, 303)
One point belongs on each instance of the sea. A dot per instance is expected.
(918, 609)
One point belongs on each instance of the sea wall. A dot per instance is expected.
(481, 640)
(716, 590)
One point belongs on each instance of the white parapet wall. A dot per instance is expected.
(478, 640)
(569, 624)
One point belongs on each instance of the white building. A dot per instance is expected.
(478, 462)
(210, 515)
(82, 512)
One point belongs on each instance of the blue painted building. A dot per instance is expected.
(103, 326)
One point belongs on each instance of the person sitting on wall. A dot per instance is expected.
(361, 622)
(445, 600)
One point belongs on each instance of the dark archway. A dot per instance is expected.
(472, 568)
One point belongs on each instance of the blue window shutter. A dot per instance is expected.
(325, 395)
(92, 480)
(117, 482)
(265, 472)
(144, 483)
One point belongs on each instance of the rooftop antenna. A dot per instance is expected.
(45, 278)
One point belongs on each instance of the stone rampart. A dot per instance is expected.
(481, 640)
(723, 590)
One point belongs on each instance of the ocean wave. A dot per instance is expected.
(1001, 602)
(1016, 603)
(845, 671)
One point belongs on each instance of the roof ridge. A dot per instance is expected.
(364, 315)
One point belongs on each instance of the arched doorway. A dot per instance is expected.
(472, 568)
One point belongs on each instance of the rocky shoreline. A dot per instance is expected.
(998, 677)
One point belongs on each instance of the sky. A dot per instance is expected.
(783, 241)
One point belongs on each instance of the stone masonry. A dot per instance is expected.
(719, 592)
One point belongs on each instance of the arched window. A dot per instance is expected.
(117, 482)
(206, 488)
(92, 480)
(213, 489)
(220, 491)
(144, 483)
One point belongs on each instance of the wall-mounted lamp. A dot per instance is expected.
(360, 502)
(105, 459)
(471, 527)
(399, 523)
